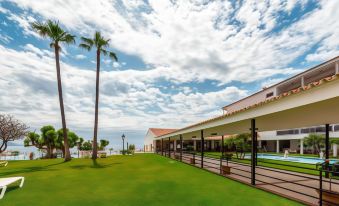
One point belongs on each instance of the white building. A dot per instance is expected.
(290, 138)
(152, 133)
(301, 101)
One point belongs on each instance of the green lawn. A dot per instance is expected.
(145, 179)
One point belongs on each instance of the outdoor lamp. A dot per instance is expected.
(123, 144)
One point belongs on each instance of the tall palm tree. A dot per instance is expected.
(57, 35)
(100, 44)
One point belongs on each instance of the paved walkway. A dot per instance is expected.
(297, 186)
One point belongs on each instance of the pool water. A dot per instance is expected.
(307, 160)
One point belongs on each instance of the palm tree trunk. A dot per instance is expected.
(61, 101)
(95, 137)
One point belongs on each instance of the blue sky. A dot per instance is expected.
(179, 61)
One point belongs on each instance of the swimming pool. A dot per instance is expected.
(307, 160)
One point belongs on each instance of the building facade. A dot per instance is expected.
(271, 141)
(291, 138)
(152, 133)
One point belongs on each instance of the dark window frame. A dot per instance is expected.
(268, 95)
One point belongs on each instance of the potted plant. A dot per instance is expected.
(329, 196)
(225, 169)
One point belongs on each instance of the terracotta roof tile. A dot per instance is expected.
(161, 131)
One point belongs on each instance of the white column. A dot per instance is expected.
(212, 144)
(302, 146)
(335, 150)
(175, 145)
(277, 146)
(259, 144)
(195, 145)
(337, 67)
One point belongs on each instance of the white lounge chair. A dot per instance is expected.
(4, 182)
(3, 164)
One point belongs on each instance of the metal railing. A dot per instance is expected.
(306, 188)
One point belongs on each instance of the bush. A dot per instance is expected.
(102, 155)
(228, 156)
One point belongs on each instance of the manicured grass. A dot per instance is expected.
(145, 179)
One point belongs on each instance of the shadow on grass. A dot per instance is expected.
(95, 165)
(30, 169)
(26, 170)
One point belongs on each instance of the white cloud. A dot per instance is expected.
(116, 64)
(5, 38)
(80, 56)
(127, 101)
(179, 41)
(198, 41)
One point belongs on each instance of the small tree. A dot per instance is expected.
(50, 140)
(10, 129)
(103, 144)
(72, 140)
(240, 144)
(86, 146)
(316, 141)
(131, 148)
(49, 137)
(79, 144)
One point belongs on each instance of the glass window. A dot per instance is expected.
(269, 94)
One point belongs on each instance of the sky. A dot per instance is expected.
(179, 61)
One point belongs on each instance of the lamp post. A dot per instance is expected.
(123, 143)
(127, 147)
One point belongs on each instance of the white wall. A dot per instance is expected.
(256, 98)
(149, 142)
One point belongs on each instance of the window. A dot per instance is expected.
(268, 95)
(287, 132)
(336, 128)
(316, 129)
(320, 129)
(305, 131)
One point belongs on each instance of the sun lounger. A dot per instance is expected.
(4, 182)
(3, 164)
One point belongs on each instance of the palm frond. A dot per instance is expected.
(97, 38)
(102, 43)
(113, 56)
(51, 45)
(41, 28)
(55, 32)
(68, 39)
(85, 46)
(88, 41)
(104, 51)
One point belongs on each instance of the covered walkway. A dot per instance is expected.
(313, 104)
